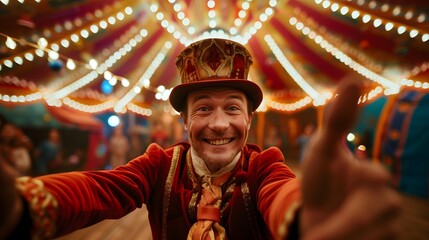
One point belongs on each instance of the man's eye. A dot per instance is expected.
(233, 108)
(203, 109)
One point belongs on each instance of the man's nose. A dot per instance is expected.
(219, 121)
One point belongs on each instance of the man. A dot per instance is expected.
(217, 186)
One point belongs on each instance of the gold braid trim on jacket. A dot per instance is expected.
(42, 204)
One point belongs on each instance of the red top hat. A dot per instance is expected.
(214, 63)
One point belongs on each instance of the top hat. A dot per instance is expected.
(214, 63)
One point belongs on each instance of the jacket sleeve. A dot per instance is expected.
(62, 203)
(278, 192)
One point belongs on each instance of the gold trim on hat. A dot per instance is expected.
(213, 59)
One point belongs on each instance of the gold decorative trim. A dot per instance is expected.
(250, 211)
(288, 219)
(167, 190)
(192, 207)
(227, 197)
(213, 59)
(191, 174)
(43, 207)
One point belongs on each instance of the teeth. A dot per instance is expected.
(219, 141)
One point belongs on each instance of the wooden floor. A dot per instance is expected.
(414, 218)
(133, 226)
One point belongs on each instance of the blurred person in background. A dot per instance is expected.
(303, 139)
(272, 137)
(119, 147)
(19, 147)
(159, 134)
(48, 155)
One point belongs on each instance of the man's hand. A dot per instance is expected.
(10, 203)
(344, 198)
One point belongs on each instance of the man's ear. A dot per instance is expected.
(250, 120)
(185, 121)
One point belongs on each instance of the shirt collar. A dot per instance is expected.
(201, 169)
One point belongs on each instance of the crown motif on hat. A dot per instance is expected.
(212, 63)
(213, 59)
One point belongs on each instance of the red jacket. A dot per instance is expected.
(259, 200)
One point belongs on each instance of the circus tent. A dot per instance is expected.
(90, 57)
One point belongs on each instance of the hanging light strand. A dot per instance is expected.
(291, 70)
(376, 21)
(52, 49)
(391, 86)
(92, 75)
(120, 105)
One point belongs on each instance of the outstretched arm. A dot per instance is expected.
(344, 198)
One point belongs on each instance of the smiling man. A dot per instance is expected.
(217, 186)
(218, 122)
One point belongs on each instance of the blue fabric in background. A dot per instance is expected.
(404, 143)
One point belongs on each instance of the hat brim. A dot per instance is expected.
(179, 93)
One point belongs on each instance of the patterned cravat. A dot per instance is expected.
(208, 225)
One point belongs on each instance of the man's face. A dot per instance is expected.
(217, 122)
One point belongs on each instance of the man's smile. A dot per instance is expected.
(218, 142)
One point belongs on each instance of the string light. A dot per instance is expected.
(52, 51)
(290, 107)
(233, 33)
(290, 69)
(53, 99)
(89, 108)
(120, 105)
(139, 110)
(391, 86)
(92, 75)
(377, 21)
(42, 44)
(169, 25)
(212, 13)
(10, 43)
